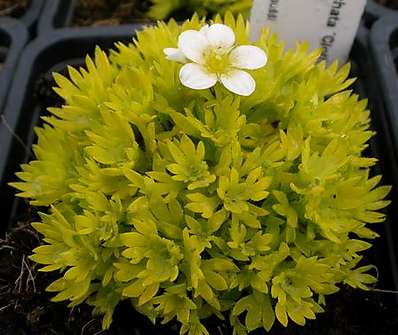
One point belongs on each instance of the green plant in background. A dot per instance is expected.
(162, 9)
(194, 203)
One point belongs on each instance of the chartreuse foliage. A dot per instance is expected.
(192, 203)
(162, 9)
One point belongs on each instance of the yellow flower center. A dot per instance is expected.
(217, 60)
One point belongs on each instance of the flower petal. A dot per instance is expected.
(175, 54)
(220, 35)
(239, 82)
(192, 43)
(196, 77)
(204, 30)
(248, 57)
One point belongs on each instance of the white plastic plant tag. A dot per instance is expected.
(329, 24)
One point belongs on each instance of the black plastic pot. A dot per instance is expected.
(59, 14)
(32, 14)
(373, 12)
(56, 14)
(13, 37)
(379, 147)
(384, 50)
(376, 11)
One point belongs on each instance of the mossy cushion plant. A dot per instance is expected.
(243, 195)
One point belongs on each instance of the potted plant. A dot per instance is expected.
(192, 174)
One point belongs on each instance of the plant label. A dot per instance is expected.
(328, 24)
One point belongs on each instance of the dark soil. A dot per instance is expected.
(109, 12)
(14, 8)
(389, 3)
(24, 305)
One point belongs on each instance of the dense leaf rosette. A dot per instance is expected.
(199, 202)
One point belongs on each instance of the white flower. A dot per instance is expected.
(211, 56)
